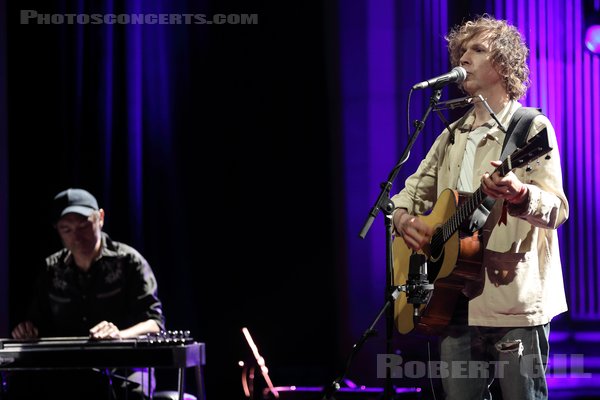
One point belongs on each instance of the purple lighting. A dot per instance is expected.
(592, 39)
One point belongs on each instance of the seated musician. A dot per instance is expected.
(94, 287)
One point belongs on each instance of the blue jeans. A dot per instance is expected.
(476, 355)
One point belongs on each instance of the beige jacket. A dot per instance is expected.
(523, 274)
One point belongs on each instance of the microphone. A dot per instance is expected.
(457, 75)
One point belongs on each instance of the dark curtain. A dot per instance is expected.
(209, 147)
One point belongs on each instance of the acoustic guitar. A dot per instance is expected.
(453, 259)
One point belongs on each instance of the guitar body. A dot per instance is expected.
(449, 266)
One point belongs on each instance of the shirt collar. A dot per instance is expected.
(502, 116)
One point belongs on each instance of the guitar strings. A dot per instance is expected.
(441, 236)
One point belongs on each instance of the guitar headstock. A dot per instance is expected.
(535, 147)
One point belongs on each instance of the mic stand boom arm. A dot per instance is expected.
(384, 203)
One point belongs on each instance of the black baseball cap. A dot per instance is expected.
(74, 200)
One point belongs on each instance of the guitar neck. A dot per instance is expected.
(462, 214)
(534, 148)
(465, 211)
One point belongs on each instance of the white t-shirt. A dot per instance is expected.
(474, 138)
(465, 179)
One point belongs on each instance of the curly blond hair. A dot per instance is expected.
(507, 46)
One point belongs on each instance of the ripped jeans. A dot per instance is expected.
(476, 355)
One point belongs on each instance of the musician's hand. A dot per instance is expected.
(105, 330)
(415, 232)
(507, 187)
(25, 330)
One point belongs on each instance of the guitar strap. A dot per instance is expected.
(516, 136)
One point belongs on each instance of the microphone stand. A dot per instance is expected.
(384, 203)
